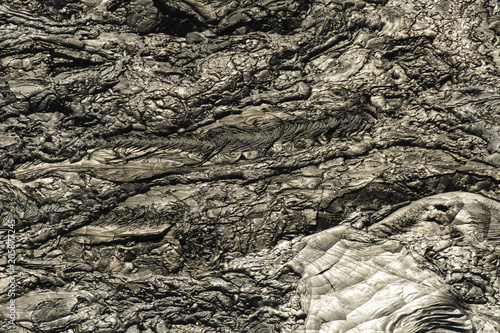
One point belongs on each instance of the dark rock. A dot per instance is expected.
(259, 166)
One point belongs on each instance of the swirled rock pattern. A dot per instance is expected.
(249, 166)
(416, 279)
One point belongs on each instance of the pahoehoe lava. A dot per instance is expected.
(249, 166)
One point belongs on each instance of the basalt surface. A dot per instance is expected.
(250, 166)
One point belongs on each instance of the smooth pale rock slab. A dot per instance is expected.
(102, 234)
(354, 281)
(352, 286)
(476, 216)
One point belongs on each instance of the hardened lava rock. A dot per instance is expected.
(162, 161)
(408, 272)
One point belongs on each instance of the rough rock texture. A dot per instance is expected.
(250, 166)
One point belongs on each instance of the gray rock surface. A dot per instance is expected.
(250, 166)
